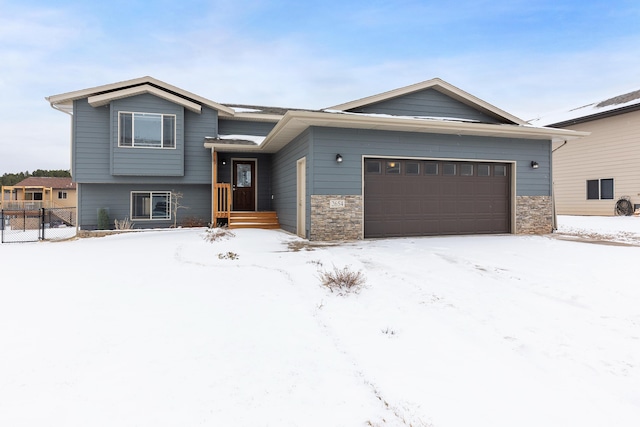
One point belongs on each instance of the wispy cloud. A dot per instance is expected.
(527, 58)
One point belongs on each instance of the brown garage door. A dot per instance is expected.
(421, 198)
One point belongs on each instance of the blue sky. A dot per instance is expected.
(526, 57)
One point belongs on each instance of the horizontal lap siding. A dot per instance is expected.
(611, 151)
(284, 181)
(242, 127)
(95, 136)
(117, 199)
(91, 149)
(197, 158)
(147, 161)
(428, 103)
(346, 178)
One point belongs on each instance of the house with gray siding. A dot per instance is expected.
(425, 159)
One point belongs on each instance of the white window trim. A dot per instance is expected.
(150, 218)
(162, 116)
(613, 188)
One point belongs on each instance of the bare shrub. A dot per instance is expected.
(124, 224)
(229, 255)
(342, 280)
(192, 222)
(214, 234)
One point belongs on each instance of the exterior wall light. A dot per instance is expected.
(338, 158)
(534, 164)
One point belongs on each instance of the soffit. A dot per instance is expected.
(294, 123)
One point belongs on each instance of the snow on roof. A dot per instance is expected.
(449, 119)
(238, 139)
(619, 102)
(246, 110)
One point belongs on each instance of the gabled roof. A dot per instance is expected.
(436, 84)
(609, 107)
(101, 95)
(48, 182)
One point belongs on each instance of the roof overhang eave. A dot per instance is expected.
(439, 85)
(106, 98)
(69, 97)
(295, 122)
(227, 147)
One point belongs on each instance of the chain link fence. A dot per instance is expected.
(37, 224)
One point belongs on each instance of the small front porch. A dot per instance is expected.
(242, 201)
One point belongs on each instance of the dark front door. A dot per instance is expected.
(244, 187)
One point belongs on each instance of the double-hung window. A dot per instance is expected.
(600, 189)
(146, 130)
(150, 205)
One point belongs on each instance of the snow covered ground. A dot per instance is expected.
(163, 328)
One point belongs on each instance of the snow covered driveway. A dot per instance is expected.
(164, 329)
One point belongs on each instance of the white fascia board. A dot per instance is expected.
(106, 98)
(295, 122)
(69, 97)
(257, 117)
(436, 84)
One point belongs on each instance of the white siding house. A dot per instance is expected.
(591, 174)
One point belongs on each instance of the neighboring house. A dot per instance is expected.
(426, 159)
(592, 174)
(39, 192)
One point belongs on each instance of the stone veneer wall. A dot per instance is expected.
(534, 215)
(340, 217)
(336, 218)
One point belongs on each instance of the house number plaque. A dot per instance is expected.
(336, 204)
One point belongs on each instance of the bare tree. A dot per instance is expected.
(176, 203)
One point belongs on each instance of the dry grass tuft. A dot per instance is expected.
(342, 280)
(214, 234)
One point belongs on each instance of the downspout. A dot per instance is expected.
(553, 193)
(55, 107)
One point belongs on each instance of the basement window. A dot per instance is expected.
(150, 205)
(600, 189)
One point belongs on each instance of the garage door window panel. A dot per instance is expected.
(430, 168)
(392, 168)
(466, 169)
(373, 167)
(412, 168)
(449, 169)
